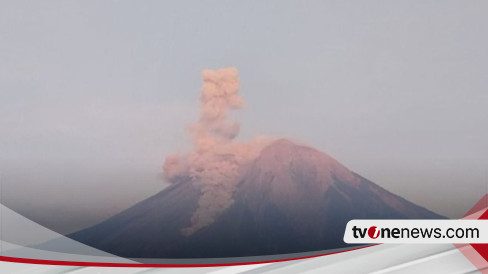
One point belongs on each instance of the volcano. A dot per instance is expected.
(290, 198)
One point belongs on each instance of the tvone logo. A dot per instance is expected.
(373, 232)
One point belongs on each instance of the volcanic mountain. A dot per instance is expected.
(289, 199)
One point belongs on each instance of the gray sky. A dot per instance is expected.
(94, 94)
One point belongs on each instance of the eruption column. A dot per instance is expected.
(216, 162)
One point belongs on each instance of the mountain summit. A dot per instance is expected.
(290, 198)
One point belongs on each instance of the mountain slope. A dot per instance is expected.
(290, 199)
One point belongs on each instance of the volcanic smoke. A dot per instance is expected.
(217, 160)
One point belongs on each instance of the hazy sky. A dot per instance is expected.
(94, 94)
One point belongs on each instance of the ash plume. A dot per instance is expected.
(216, 161)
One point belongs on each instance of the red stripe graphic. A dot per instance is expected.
(141, 265)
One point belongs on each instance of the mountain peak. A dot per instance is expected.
(284, 158)
(283, 143)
